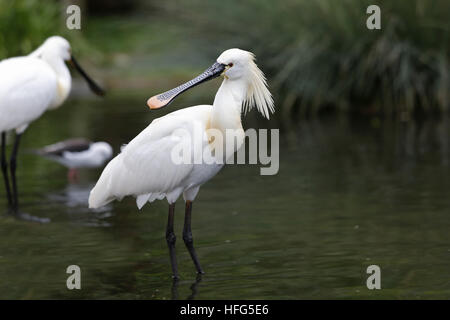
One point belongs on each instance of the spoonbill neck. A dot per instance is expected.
(228, 104)
(64, 80)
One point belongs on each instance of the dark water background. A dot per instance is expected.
(349, 193)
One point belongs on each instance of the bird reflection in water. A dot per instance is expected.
(193, 287)
(73, 200)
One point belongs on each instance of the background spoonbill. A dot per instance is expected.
(145, 167)
(77, 153)
(30, 85)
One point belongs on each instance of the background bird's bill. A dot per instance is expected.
(92, 85)
(163, 99)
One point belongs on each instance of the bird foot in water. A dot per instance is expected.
(28, 217)
(175, 277)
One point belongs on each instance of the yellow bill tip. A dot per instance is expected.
(154, 103)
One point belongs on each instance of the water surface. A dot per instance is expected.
(349, 194)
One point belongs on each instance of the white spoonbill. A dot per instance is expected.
(77, 153)
(145, 167)
(30, 85)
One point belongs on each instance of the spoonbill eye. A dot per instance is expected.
(230, 64)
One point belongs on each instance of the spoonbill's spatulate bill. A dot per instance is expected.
(30, 85)
(145, 168)
(77, 153)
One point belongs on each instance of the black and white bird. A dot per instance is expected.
(77, 153)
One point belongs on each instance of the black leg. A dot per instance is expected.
(4, 166)
(174, 289)
(13, 167)
(187, 236)
(171, 239)
(13, 199)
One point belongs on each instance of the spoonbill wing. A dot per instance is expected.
(148, 166)
(27, 87)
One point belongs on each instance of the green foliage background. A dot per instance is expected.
(24, 23)
(319, 54)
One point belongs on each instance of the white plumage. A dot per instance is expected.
(94, 157)
(32, 84)
(145, 169)
(78, 153)
(29, 86)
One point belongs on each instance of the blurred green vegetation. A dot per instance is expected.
(319, 54)
(25, 24)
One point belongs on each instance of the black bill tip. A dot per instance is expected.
(95, 88)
